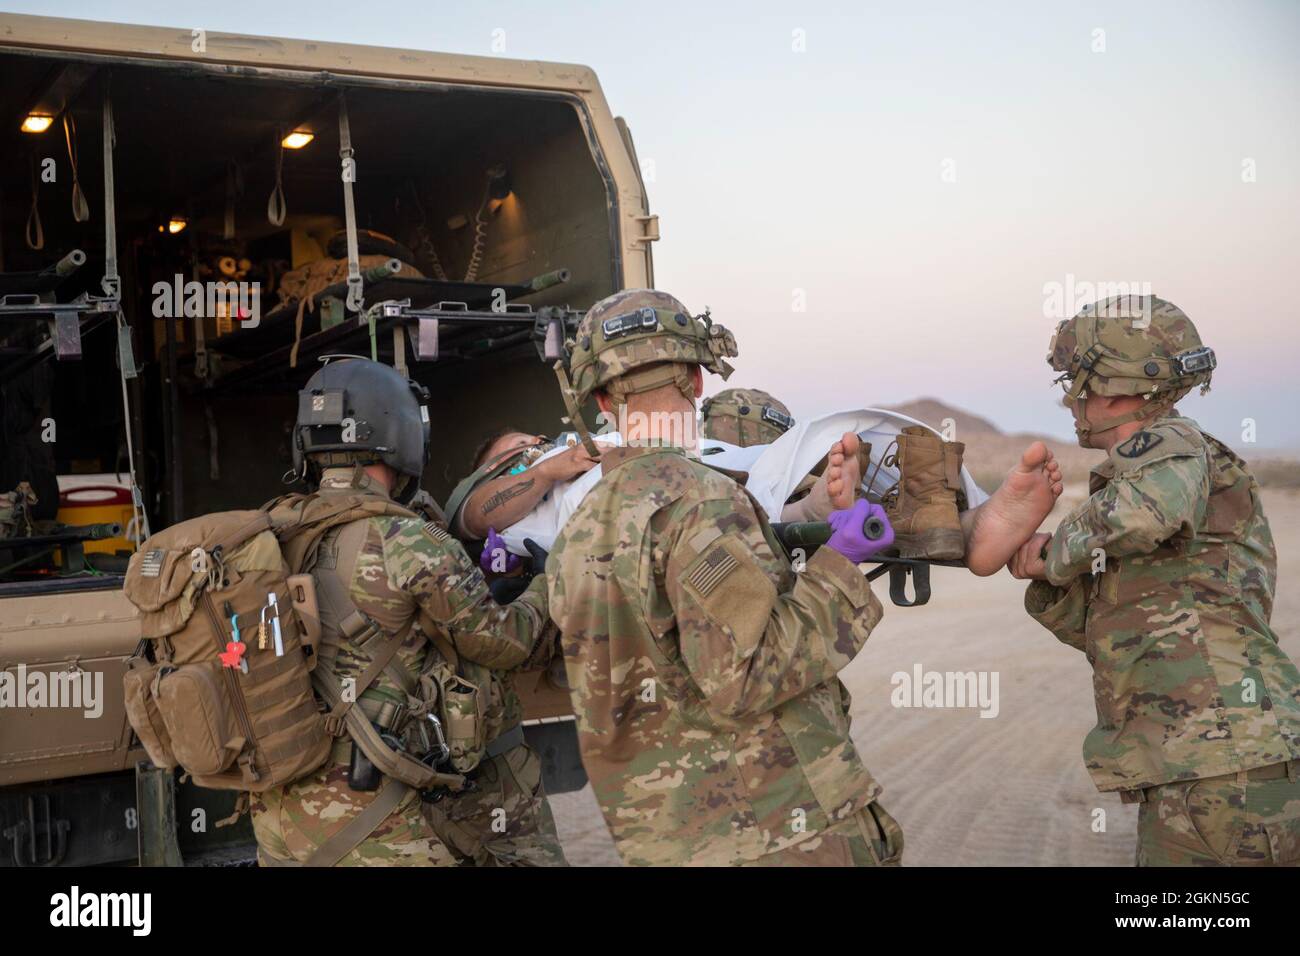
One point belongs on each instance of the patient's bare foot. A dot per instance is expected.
(997, 528)
(844, 472)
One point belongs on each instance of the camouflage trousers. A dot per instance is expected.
(291, 822)
(505, 819)
(1241, 819)
(870, 837)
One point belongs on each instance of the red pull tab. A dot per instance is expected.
(233, 655)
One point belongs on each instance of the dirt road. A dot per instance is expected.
(970, 790)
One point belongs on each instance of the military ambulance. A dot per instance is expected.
(189, 222)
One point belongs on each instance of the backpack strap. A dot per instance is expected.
(241, 533)
(363, 634)
(388, 799)
(300, 522)
(354, 833)
(389, 762)
(403, 772)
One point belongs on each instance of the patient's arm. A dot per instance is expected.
(501, 502)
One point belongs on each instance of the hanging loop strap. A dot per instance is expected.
(111, 285)
(276, 207)
(348, 165)
(234, 189)
(34, 234)
(80, 209)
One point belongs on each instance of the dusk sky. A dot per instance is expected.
(919, 172)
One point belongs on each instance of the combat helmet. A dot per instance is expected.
(1129, 345)
(355, 411)
(745, 416)
(625, 333)
(634, 341)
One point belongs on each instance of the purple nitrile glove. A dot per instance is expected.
(496, 558)
(848, 538)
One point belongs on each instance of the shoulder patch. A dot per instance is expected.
(151, 564)
(712, 570)
(1139, 445)
(1157, 442)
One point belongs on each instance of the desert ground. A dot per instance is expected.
(968, 790)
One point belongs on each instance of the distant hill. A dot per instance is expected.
(933, 412)
(991, 453)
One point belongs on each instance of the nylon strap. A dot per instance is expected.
(35, 238)
(305, 536)
(110, 283)
(348, 163)
(1149, 409)
(352, 626)
(575, 413)
(241, 534)
(80, 210)
(646, 380)
(343, 842)
(389, 762)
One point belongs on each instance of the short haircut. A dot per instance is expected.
(480, 454)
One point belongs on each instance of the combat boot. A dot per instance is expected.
(922, 507)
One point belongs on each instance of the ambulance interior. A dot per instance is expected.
(483, 197)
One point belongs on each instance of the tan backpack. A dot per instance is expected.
(234, 718)
(247, 719)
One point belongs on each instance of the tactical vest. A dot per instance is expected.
(463, 695)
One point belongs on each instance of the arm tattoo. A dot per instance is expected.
(506, 494)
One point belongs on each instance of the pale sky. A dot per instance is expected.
(920, 171)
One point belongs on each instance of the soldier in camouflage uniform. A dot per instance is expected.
(1165, 578)
(403, 571)
(702, 668)
(744, 417)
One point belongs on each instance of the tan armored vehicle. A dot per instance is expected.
(188, 223)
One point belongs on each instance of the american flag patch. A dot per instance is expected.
(434, 531)
(711, 570)
(151, 564)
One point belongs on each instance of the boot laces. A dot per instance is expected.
(891, 495)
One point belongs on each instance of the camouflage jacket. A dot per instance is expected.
(1188, 676)
(396, 568)
(702, 668)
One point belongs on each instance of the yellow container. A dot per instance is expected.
(98, 504)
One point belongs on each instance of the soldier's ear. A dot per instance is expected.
(603, 402)
(697, 377)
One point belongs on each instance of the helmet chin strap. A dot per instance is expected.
(1087, 430)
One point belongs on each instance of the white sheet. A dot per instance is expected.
(774, 470)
